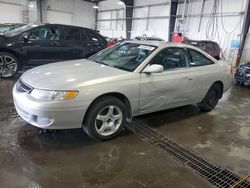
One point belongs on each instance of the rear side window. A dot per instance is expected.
(209, 46)
(201, 46)
(216, 46)
(198, 59)
(93, 36)
(72, 34)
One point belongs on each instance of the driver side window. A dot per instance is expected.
(171, 58)
(49, 33)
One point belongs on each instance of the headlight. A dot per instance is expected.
(53, 95)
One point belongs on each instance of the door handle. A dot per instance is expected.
(53, 44)
(190, 78)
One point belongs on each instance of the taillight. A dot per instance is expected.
(231, 71)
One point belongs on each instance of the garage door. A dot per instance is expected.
(10, 13)
(59, 17)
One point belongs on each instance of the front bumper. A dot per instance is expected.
(48, 114)
(242, 78)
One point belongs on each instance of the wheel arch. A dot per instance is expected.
(220, 83)
(118, 95)
(12, 52)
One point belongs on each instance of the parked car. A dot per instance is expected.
(112, 41)
(145, 38)
(211, 47)
(242, 74)
(9, 27)
(33, 45)
(100, 93)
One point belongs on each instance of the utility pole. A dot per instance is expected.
(245, 30)
(129, 4)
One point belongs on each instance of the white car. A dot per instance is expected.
(100, 93)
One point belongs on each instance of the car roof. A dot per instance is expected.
(203, 41)
(6, 24)
(63, 25)
(145, 42)
(163, 44)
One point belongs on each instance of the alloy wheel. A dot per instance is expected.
(8, 66)
(108, 120)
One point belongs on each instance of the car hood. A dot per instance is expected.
(71, 75)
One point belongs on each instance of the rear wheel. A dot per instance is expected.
(239, 83)
(211, 99)
(9, 65)
(105, 119)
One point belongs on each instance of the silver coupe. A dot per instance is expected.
(101, 93)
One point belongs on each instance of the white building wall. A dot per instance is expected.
(153, 27)
(157, 27)
(73, 12)
(115, 28)
(13, 11)
(227, 25)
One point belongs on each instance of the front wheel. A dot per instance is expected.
(211, 99)
(105, 119)
(9, 65)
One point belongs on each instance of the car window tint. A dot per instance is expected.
(5, 28)
(72, 34)
(209, 46)
(171, 58)
(216, 46)
(198, 59)
(202, 46)
(93, 36)
(45, 33)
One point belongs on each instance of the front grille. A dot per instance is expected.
(22, 87)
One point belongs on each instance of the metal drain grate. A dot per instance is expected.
(213, 173)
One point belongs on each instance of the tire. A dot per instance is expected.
(105, 119)
(211, 99)
(240, 83)
(9, 65)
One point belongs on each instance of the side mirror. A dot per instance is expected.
(25, 38)
(155, 68)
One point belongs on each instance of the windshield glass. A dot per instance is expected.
(19, 30)
(5, 28)
(125, 56)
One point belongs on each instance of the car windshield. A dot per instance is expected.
(5, 28)
(125, 56)
(19, 30)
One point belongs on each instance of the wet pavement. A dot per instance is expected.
(68, 158)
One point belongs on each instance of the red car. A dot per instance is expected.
(111, 41)
(210, 47)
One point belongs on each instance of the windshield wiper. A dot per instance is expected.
(101, 62)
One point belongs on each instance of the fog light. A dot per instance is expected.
(44, 121)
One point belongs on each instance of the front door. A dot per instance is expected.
(171, 88)
(43, 46)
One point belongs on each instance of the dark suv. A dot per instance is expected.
(211, 47)
(33, 45)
